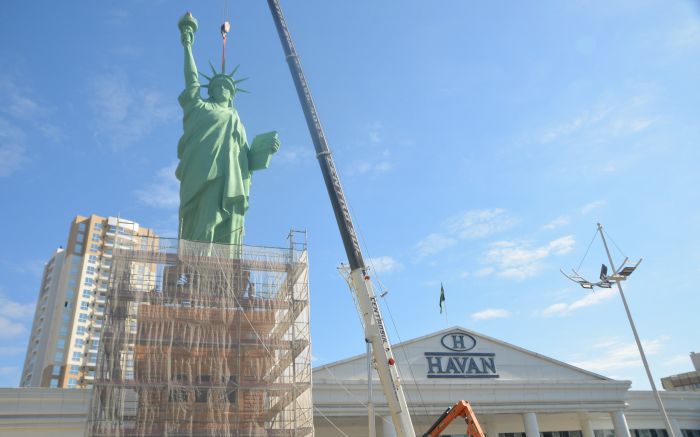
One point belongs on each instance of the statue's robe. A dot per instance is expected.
(214, 171)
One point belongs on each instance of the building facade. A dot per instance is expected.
(687, 381)
(67, 326)
(514, 392)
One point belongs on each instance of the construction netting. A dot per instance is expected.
(202, 339)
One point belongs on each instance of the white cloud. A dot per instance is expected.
(603, 122)
(620, 355)
(374, 132)
(13, 315)
(12, 350)
(585, 209)
(478, 223)
(491, 313)
(13, 151)
(686, 36)
(164, 191)
(519, 260)
(558, 222)
(372, 167)
(124, 114)
(590, 299)
(486, 271)
(678, 359)
(585, 120)
(292, 155)
(434, 243)
(384, 264)
(16, 310)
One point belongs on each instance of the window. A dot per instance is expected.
(54, 383)
(83, 317)
(79, 342)
(74, 369)
(60, 344)
(98, 226)
(58, 357)
(80, 237)
(72, 382)
(96, 237)
(87, 294)
(78, 248)
(56, 370)
(89, 281)
(77, 356)
(81, 330)
(94, 247)
(90, 270)
(95, 344)
(81, 226)
(92, 259)
(84, 305)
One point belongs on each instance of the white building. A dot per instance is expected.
(515, 393)
(512, 390)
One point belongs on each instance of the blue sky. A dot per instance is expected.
(479, 144)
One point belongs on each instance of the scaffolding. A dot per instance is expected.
(203, 339)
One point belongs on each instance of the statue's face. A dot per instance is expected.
(219, 92)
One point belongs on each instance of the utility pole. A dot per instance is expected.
(664, 415)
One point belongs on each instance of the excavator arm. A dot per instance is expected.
(460, 409)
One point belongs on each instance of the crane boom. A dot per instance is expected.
(359, 279)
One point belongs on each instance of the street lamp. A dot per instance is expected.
(616, 278)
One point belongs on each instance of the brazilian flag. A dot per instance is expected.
(442, 297)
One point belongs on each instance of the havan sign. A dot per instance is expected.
(459, 362)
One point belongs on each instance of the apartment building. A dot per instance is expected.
(67, 326)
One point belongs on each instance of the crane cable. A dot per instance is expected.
(363, 242)
(225, 28)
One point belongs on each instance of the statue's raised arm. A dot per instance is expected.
(188, 26)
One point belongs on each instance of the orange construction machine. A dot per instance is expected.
(460, 409)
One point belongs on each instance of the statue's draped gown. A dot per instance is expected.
(213, 171)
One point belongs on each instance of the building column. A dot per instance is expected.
(586, 427)
(532, 429)
(676, 428)
(388, 429)
(620, 424)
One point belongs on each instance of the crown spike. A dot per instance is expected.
(236, 82)
(205, 76)
(213, 69)
(241, 90)
(235, 69)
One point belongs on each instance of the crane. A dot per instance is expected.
(360, 281)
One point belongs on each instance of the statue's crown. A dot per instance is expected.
(228, 80)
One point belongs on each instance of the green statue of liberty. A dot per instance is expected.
(216, 161)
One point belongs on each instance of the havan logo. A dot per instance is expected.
(459, 363)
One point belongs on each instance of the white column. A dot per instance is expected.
(388, 429)
(531, 427)
(586, 427)
(620, 424)
(676, 429)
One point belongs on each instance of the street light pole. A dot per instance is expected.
(664, 415)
